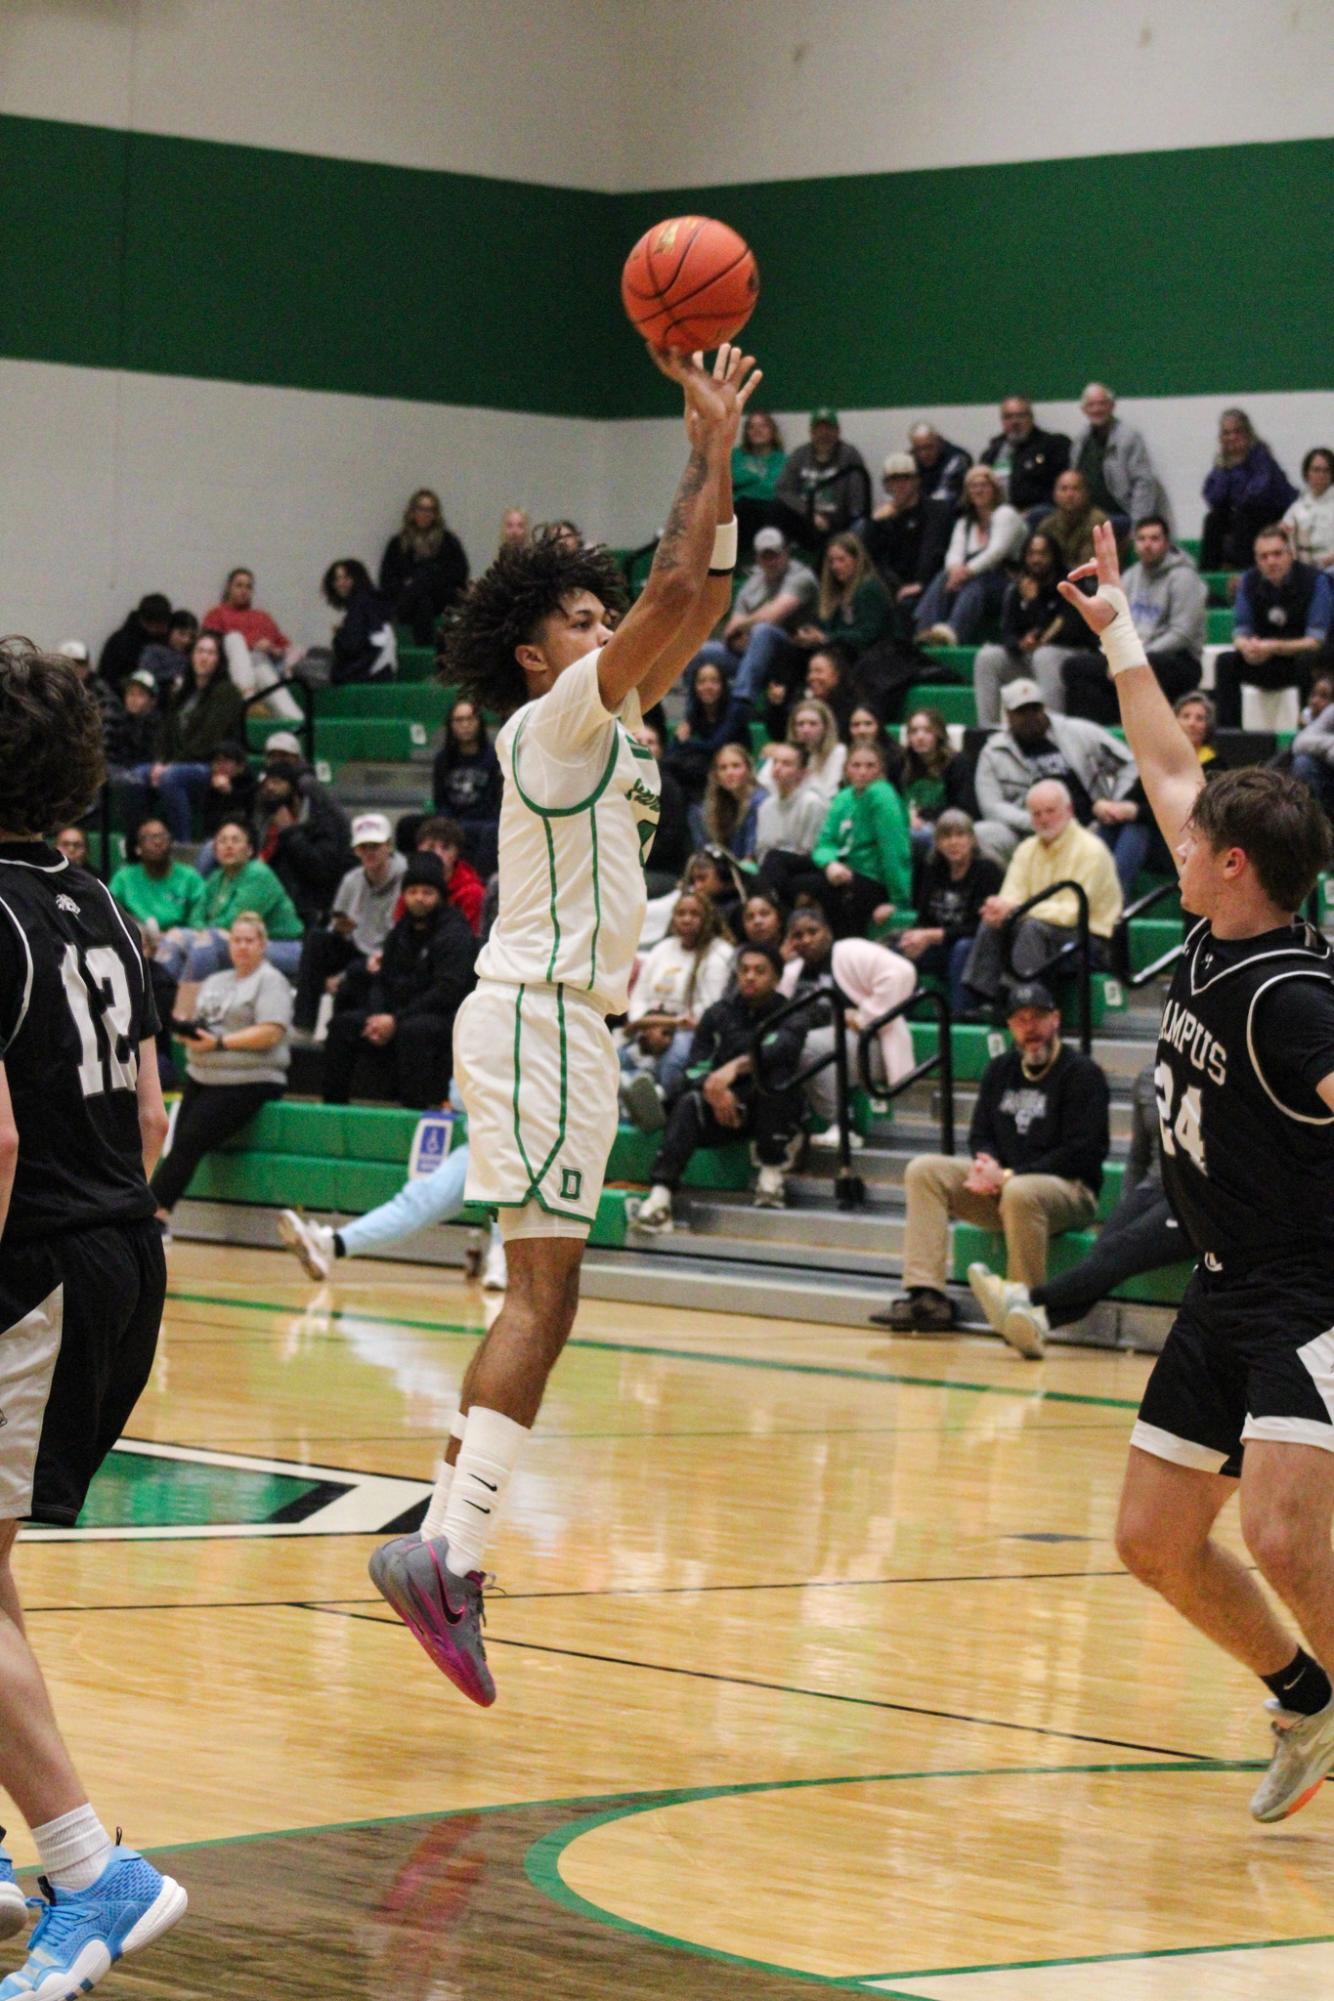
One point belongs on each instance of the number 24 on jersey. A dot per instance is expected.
(1180, 1133)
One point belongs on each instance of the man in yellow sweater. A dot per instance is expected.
(1058, 850)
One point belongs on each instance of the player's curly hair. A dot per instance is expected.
(502, 610)
(51, 757)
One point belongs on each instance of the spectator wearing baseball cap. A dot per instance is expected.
(780, 594)
(907, 536)
(1089, 760)
(363, 911)
(825, 484)
(393, 1016)
(1036, 1148)
(131, 728)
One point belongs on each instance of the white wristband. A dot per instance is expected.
(1120, 641)
(723, 560)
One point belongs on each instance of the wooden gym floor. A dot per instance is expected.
(816, 1665)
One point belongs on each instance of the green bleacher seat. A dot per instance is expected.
(956, 704)
(363, 701)
(1150, 937)
(969, 1244)
(960, 658)
(380, 739)
(1189, 546)
(416, 663)
(1218, 582)
(1218, 627)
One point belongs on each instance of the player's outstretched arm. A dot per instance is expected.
(1165, 757)
(657, 636)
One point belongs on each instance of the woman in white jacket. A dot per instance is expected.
(958, 603)
(1310, 519)
(685, 973)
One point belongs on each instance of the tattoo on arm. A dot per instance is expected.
(671, 554)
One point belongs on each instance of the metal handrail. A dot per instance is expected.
(1077, 950)
(305, 694)
(1140, 908)
(849, 1188)
(942, 1059)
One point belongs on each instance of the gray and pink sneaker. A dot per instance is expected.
(443, 1612)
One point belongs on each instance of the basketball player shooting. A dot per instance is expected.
(1242, 1396)
(533, 1058)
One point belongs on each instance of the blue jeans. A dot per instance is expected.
(769, 656)
(946, 962)
(1130, 844)
(180, 787)
(1319, 776)
(968, 610)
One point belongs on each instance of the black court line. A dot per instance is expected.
(814, 1694)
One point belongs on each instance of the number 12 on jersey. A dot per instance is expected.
(1182, 1132)
(110, 1061)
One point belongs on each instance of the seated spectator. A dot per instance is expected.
(515, 527)
(236, 611)
(865, 726)
(956, 881)
(1038, 1140)
(757, 645)
(1199, 719)
(1115, 462)
(967, 594)
(229, 795)
(306, 839)
(732, 800)
(1058, 850)
(672, 842)
(423, 570)
(202, 711)
(829, 682)
(790, 815)
(934, 776)
(1244, 490)
(1313, 745)
(1072, 520)
(102, 692)
(1128, 825)
(943, 467)
(131, 731)
(144, 626)
(1090, 762)
(364, 645)
(394, 1013)
(363, 910)
(1167, 598)
(238, 883)
(466, 782)
(862, 860)
(72, 843)
(165, 659)
(824, 486)
(1038, 633)
(154, 887)
(907, 537)
(714, 716)
(1280, 629)
(464, 889)
(872, 979)
(1141, 1235)
(855, 609)
(1310, 519)
(763, 919)
(724, 1103)
(238, 1056)
(1025, 460)
(813, 727)
(757, 466)
(678, 980)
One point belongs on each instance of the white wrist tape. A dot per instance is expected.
(1120, 641)
(723, 558)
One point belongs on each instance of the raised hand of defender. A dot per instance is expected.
(715, 398)
(1097, 612)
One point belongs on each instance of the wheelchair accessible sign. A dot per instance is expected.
(436, 1136)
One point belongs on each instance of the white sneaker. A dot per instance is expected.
(313, 1243)
(770, 1189)
(829, 1139)
(1026, 1329)
(1303, 1758)
(994, 1295)
(655, 1211)
(495, 1271)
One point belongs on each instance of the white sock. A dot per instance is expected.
(481, 1474)
(435, 1511)
(74, 1850)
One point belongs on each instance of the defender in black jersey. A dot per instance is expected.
(1243, 1392)
(82, 1279)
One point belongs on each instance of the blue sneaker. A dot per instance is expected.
(82, 1933)
(13, 1903)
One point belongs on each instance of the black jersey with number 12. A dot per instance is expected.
(1248, 1144)
(75, 1004)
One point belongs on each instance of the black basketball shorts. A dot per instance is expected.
(1250, 1355)
(80, 1316)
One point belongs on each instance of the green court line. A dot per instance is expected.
(1105, 1958)
(838, 1371)
(542, 1866)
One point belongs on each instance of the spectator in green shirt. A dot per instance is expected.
(757, 463)
(863, 857)
(239, 883)
(153, 886)
(855, 608)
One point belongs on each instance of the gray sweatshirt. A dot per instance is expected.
(1167, 604)
(1128, 470)
(793, 823)
(1317, 738)
(228, 1003)
(1005, 776)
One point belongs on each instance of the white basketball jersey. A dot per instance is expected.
(578, 817)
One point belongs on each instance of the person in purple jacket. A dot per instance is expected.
(1245, 490)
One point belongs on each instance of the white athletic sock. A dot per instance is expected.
(481, 1474)
(74, 1849)
(434, 1521)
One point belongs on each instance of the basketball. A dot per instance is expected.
(690, 283)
